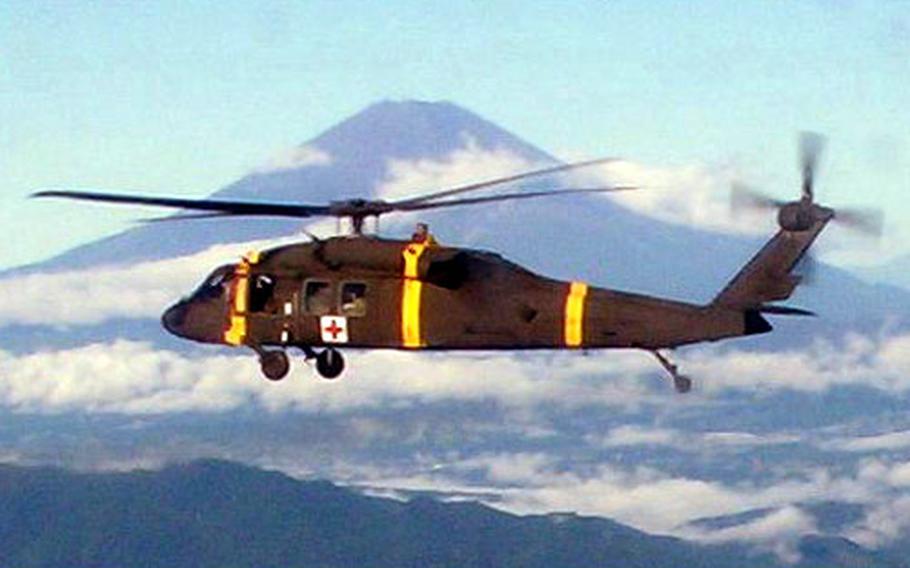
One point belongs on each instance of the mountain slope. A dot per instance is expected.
(220, 514)
(358, 151)
(895, 272)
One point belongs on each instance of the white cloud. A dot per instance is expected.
(778, 531)
(295, 158)
(95, 295)
(888, 441)
(856, 360)
(469, 164)
(694, 195)
(642, 497)
(747, 439)
(124, 377)
(103, 377)
(689, 441)
(885, 523)
(656, 502)
(134, 378)
(631, 435)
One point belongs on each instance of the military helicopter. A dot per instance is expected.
(363, 291)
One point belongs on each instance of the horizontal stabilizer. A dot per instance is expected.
(785, 311)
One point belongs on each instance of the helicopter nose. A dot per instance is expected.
(174, 318)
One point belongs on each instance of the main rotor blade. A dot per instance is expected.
(811, 145)
(506, 197)
(187, 217)
(225, 207)
(500, 181)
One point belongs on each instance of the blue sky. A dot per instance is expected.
(185, 97)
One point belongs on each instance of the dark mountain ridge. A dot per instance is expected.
(213, 513)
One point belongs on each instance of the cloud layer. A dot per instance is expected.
(694, 195)
(129, 377)
(144, 290)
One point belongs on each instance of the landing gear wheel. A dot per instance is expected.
(274, 364)
(682, 383)
(329, 363)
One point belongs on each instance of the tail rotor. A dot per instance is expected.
(803, 214)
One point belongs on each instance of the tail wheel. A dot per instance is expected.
(682, 383)
(274, 364)
(330, 363)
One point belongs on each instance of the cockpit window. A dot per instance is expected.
(216, 284)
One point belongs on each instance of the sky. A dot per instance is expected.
(182, 98)
(185, 97)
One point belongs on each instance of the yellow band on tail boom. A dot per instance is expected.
(573, 326)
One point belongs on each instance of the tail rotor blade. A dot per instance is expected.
(867, 221)
(744, 197)
(811, 145)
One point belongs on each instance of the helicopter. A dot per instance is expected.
(362, 291)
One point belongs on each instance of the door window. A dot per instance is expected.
(353, 299)
(317, 297)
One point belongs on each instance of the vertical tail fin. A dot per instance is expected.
(767, 276)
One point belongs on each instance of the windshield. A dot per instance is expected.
(216, 283)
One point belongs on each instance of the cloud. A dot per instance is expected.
(889, 441)
(103, 293)
(632, 435)
(887, 522)
(689, 441)
(135, 378)
(295, 158)
(123, 377)
(883, 364)
(470, 164)
(661, 503)
(643, 497)
(695, 195)
(778, 531)
(130, 377)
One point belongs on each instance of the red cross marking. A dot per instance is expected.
(334, 329)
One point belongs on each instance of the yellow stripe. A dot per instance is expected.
(410, 314)
(411, 291)
(575, 314)
(236, 332)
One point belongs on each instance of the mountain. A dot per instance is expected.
(358, 151)
(895, 272)
(579, 237)
(214, 513)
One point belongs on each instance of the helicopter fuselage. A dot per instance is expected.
(366, 292)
